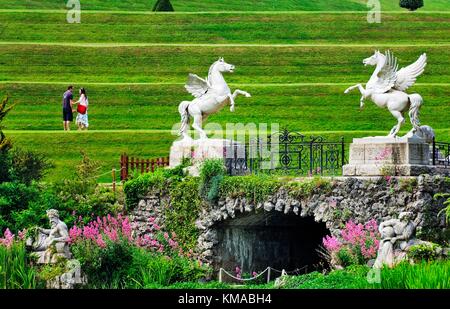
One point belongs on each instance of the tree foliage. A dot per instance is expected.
(411, 5)
(163, 6)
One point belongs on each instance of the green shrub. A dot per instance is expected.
(256, 188)
(28, 166)
(350, 278)
(15, 269)
(160, 180)
(163, 6)
(346, 257)
(183, 211)
(212, 172)
(105, 267)
(5, 143)
(411, 5)
(305, 189)
(423, 252)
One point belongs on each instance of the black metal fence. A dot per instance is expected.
(286, 152)
(441, 154)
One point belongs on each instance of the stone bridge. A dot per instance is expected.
(285, 232)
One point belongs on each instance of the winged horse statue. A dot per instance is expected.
(211, 95)
(386, 88)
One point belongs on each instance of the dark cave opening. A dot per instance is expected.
(254, 242)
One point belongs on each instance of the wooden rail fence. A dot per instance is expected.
(131, 164)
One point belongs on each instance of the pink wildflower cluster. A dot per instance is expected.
(8, 239)
(157, 240)
(331, 243)
(118, 228)
(357, 238)
(107, 227)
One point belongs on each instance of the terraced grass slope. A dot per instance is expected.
(214, 5)
(134, 66)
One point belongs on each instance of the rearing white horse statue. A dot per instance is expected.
(386, 88)
(211, 95)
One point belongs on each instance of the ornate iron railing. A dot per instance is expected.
(441, 153)
(288, 153)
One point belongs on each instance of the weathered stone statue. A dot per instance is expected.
(50, 244)
(397, 236)
(211, 95)
(387, 86)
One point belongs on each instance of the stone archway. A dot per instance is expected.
(257, 240)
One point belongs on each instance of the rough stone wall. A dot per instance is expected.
(358, 199)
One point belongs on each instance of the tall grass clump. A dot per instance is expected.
(15, 270)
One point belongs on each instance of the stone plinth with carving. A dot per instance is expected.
(377, 156)
(200, 150)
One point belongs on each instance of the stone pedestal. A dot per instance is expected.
(378, 156)
(202, 149)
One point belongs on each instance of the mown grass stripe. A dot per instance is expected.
(176, 84)
(158, 131)
(50, 11)
(274, 45)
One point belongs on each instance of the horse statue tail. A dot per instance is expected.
(183, 110)
(416, 102)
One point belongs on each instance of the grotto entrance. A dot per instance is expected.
(254, 242)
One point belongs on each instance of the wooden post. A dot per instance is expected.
(147, 165)
(114, 180)
(153, 165)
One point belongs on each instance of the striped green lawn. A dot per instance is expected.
(226, 28)
(229, 5)
(155, 107)
(255, 65)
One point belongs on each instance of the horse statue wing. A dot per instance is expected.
(407, 76)
(196, 86)
(388, 74)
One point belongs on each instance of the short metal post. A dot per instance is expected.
(268, 274)
(220, 275)
(434, 150)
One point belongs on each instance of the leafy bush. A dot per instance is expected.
(183, 210)
(5, 143)
(256, 188)
(27, 166)
(411, 5)
(304, 189)
(160, 179)
(212, 172)
(351, 278)
(15, 269)
(424, 252)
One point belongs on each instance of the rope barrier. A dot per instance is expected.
(268, 269)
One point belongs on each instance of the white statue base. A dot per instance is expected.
(382, 156)
(200, 150)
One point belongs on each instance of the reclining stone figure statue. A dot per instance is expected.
(50, 244)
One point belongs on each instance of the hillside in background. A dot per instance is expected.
(295, 65)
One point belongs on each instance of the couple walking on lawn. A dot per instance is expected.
(68, 109)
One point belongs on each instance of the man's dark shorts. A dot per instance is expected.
(67, 114)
